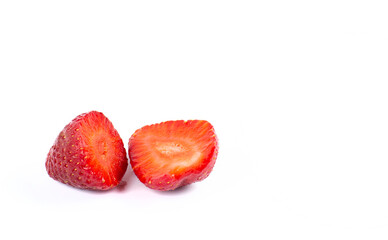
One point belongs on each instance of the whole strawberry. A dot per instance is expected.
(88, 154)
(172, 154)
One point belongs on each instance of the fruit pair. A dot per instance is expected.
(89, 153)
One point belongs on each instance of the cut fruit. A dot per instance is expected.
(88, 153)
(172, 154)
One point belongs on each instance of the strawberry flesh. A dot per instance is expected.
(172, 154)
(88, 154)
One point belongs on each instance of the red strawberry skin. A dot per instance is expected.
(173, 154)
(88, 153)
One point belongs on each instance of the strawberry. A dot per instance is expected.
(88, 153)
(172, 154)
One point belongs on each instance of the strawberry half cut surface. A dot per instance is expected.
(88, 154)
(172, 154)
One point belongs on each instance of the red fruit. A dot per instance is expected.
(172, 154)
(88, 153)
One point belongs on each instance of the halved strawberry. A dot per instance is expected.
(172, 154)
(88, 153)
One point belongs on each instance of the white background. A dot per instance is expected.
(296, 90)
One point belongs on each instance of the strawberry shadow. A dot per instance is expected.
(179, 191)
(125, 182)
